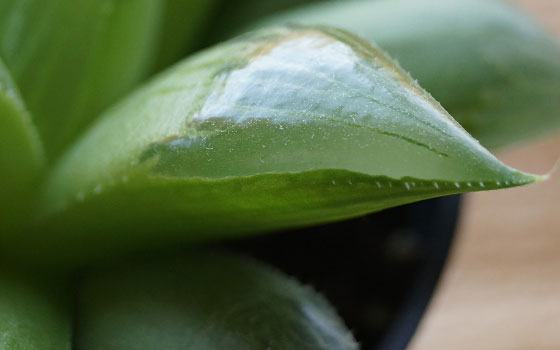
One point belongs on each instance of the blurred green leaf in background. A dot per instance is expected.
(35, 312)
(21, 156)
(71, 59)
(206, 302)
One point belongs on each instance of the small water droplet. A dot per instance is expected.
(457, 185)
(407, 186)
(436, 185)
(349, 182)
(378, 184)
(507, 182)
(333, 182)
(498, 183)
(469, 184)
(481, 184)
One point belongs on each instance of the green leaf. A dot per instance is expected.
(182, 23)
(281, 128)
(205, 302)
(234, 15)
(494, 69)
(21, 155)
(33, 315)
(71, 59)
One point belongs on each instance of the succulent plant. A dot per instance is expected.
(295, 123)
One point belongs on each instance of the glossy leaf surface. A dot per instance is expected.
(71, 58)
(281, 128)
(33, 315)
(494, 69)
(211, 302)
(21, 154)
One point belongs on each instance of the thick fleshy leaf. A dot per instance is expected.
(71, 58)
(494, 69)
(33, 314)
(21, 155)
(281, 128)
(182, 25)
(211, 302)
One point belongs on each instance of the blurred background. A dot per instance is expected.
(501, 285)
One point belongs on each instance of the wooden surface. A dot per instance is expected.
(501, 288)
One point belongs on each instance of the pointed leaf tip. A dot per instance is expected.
(554, 170)
(490, 65)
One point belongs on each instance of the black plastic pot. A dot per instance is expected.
(379, 271)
